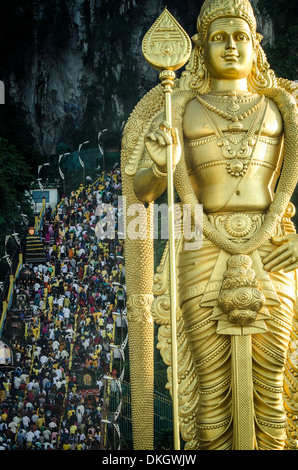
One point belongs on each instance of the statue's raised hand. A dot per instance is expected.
(285, 256)
(156, 143)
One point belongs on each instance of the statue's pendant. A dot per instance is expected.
(237, 167)
(233, 107)
(235, 126)
(238, 155)
(231, 111)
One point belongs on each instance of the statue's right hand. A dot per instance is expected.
(157, 142)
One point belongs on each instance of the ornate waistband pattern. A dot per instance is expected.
(237, 226)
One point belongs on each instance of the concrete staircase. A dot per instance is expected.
(34, 252)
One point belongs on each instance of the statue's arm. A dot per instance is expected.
(147, 185)
(285, 255)
(151, 179)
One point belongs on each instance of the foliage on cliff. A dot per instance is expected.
(18, 168)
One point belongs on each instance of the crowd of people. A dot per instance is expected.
(68, 308)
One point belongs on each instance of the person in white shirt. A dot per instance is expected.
(29, 436)
(64, 269)
(43, 359)
(81, 252)
(13, 427)
(64, 354)
(55, 345)
(24, 377)
(34, 418)
(52, 425)
(66, 312)
(48, 446)
(30, 385)
(59, 373)
(47, 434)
(61, 301)
(17, 382)
(29, 406)
(25, 421)
(36, 286)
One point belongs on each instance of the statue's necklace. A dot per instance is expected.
(237, 151)
(232, 109)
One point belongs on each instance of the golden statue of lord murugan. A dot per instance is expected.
(234, 141)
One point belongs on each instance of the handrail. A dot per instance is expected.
(57, 207)
(7, 302)
(13, 276)
(39, 218)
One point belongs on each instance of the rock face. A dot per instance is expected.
(81, 67)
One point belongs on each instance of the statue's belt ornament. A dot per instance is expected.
(237, 225)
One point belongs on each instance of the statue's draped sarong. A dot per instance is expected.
(211, 351)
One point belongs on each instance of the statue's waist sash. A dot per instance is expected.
(201, 271)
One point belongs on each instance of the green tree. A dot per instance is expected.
(15, 179)
(15, 129)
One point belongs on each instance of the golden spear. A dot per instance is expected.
(167, 47)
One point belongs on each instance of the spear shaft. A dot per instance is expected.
(167, 47)
(167, 80)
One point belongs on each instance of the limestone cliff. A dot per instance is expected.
(77, 66)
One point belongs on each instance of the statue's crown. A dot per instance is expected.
(213, 9)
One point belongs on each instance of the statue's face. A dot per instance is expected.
(228, 50)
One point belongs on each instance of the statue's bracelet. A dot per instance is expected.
(157, 172)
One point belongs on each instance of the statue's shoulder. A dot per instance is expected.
(289, 86)
(282, 100)
(283, 92)
(273, 119)
(194, 120)
(153, 102)
(146, 114)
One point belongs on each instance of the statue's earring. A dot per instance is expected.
(196, 76)
(259, 78)
(202, 70)
(255, 68)
(261, 75)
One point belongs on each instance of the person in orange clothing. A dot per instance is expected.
(94, 360)
(88, 363)
(62, 345)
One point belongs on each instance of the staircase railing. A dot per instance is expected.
(6, 303)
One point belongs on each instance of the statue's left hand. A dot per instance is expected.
(285, 256)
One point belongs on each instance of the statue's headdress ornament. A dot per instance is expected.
(213, 9)
(196, 75)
